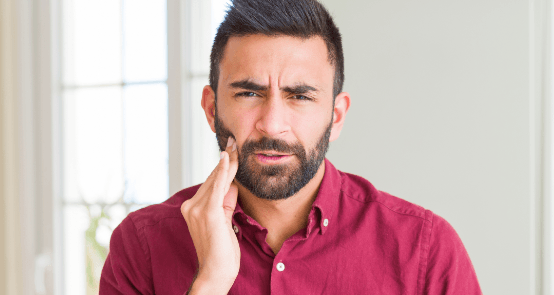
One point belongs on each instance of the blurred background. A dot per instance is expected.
(100, 116)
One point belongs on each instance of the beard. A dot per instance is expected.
(277, 181)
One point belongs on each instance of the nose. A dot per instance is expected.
(273, 117)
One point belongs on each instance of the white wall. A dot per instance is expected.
(442, 116)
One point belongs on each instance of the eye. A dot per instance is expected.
(247, 94)
(302, 98)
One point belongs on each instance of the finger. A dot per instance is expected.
(232, 150)
(230, 201)
(220, 178)
(233, 162)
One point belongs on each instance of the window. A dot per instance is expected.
(115, 98)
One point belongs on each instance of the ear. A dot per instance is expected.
(208, 104)
(342, 104)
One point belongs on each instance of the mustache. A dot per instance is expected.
(271, 144)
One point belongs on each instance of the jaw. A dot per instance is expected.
(254, 205)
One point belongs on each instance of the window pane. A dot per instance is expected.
(145, 40)
(93, 145)
(115, 138)
(146, 143)
(91, 42)
(219, 8)
(76, 222)
(87, 233)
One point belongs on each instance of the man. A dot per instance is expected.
(275, 217)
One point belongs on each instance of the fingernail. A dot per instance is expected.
(221, 155)
(230, 141)
(234, 146)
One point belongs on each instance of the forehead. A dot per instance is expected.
(284, 60)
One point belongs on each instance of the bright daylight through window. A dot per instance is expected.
(115, 123)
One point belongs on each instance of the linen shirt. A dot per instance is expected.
(358, 241)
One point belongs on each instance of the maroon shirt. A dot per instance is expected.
(358, 241)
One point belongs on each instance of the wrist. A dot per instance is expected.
(202, 285)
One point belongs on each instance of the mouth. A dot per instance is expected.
(272, 157)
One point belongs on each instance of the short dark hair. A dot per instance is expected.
(297, 18)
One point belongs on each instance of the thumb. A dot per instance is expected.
(230, 201)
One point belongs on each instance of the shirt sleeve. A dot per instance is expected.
(127, 269)
(449, 269)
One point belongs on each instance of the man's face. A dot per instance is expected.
(275, 98)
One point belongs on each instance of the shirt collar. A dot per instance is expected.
(326, 201)
(328, 197)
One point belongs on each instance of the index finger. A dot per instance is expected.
(233, 152)
(228, 168)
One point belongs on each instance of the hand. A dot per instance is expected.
(208, 215)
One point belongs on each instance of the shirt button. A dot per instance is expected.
(325, 222)
(236, 229)
(280, 266)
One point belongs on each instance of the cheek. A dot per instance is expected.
(243, 124)
(308, 128)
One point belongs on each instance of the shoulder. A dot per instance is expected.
(171, 208)
(435, 230)
(140, 242)
(447, 265)
(444, 263)
(359, 189)
(444, 241)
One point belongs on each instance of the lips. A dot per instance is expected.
(271, 157)
(271, 153)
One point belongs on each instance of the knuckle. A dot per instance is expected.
(185, 206)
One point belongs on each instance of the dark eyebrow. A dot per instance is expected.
(299, 89)
(249, 85)
(296, 89)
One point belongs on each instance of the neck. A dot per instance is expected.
(282, 218)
